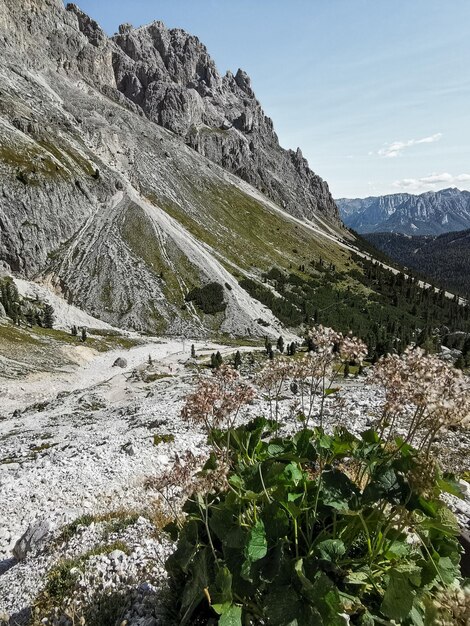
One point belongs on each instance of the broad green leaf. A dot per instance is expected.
(397, 549)
(444, 521)
(370, 436)
(357, 578)
(386, 486)
(325, 441)
(338, 491)
(292, 497)
(331, 550)
(283, 607)
(257, 545)
(399, 596)
(327, 601)
(275, 563)
(447, 570)
(231, 617)
(193, 592)
(292, 473)
(276, 522)
(416, 616)
(449, 484)
(255, 549)
(275, 449)
(221, 594)
(235, 481)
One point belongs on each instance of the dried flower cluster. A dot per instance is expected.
(423, 395)
(185, 478)
(453, 607)
(313, 373)
(218, 399)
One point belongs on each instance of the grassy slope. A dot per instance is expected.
(245, 233)
(47, 349)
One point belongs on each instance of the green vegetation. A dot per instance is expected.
(62, 580)
(165, 438)
(441, 259)
(29, 161)
(384, 308)
(308, 528)
(246, 232)
(139, 232)
(114, 522)
(209, 298)
(305, 532)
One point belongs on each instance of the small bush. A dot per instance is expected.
(209, 298)
(166, 438)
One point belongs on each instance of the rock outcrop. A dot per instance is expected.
(171, 77)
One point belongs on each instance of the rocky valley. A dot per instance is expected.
(218, 404)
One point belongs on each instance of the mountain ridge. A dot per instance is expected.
(429, 213)
(116, 212)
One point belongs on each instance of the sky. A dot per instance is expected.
(376, 93)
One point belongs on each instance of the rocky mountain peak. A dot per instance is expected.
(244, 82)
(171, 76)
(92, 31)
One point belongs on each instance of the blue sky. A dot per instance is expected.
(375, 92)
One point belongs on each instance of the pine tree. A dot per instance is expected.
(218, 359)
(237, 360)
(84, 334)
(280, 345)
(460, 363)
(270, 352)
(74, 331)
(193, 352)
(48, 316)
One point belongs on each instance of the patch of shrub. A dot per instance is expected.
(320, 528)
(209, 298)
(312, 527)
(166, 438)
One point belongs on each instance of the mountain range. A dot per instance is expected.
(430, 213)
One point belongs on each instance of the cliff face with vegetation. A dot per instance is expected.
(106, 193)
(171, 77)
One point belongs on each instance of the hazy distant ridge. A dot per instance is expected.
(430, 213)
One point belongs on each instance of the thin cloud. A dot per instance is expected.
(433, 182)
(395, 149)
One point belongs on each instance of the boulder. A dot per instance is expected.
(120, 362)
(35, 537)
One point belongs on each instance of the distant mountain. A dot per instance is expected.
(444, 259)
(431, 213)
